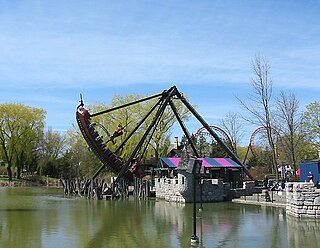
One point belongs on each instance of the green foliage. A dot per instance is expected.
(253, 162)
(306, 151)
(81, 160)
(203, 146)
(50, 149)
(208, 147)
(217, 151)
(241, 152)
(311, 123)
(21, 128)
(129, 117)
(52, 144)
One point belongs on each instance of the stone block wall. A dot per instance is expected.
(302, 200)
(180, 189)
(170, 188)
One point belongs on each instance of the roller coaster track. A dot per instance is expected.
(251, 146)
(203, 132)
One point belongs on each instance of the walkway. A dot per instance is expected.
(265, 198)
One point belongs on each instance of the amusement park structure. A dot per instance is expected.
(220, 132)
(253, 139)
(131, 168)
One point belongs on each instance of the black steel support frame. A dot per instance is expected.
(162, 103)
(127, 104)
(213, 134)
(183, 127)
(131, 133)
(165, 98)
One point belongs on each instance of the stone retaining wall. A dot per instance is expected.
(180, 189)
(303, 200)
(300, 199)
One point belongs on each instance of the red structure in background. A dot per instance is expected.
(223, 135)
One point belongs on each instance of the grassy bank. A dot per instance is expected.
(29, 180)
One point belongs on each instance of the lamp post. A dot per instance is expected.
(194, 167)
(201, 186)
(194, 237)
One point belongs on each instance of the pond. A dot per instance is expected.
(43, 217)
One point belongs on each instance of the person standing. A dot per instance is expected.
(266, 181)
(310, 177)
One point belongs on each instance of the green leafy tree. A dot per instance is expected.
(82, 163)
(217, 151)
(311, 124)
(51, 147)
(202, 146)
(20, 129)
(129, 116)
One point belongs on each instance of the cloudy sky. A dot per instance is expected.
(51, 51)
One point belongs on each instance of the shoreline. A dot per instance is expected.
(27, 183)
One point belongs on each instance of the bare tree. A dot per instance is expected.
(231, 125)
(289, 125)
(259, 105)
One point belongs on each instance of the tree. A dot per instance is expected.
(216, 150)
(20, 128)
(202, 146)
(82, 161)
(129, 116)
(311, 124)
(260, 103)
(289, 126)
(51, 148)
(231, 125)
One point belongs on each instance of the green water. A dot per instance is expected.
(42, 217)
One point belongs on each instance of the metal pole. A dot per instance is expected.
(201, 184)
(122, 106)
(194, 237)
(185, 130)
(159, 113)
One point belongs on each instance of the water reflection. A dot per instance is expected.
(303, 233)
(39, 217)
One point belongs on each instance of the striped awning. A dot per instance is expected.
(206, 162)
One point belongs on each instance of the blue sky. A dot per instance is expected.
(51, 51)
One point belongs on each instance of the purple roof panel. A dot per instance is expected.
(206, 162)
(170, 162)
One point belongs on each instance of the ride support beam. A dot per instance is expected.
(125, 105)
(138, 125)
(184, 129)
(220, 142)
(150, 136)
(165, 98)
(128, 137)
